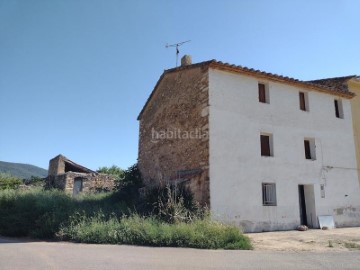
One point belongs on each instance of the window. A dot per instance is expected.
(263, 93)
(322, 190)
(338, 108)
(266, 143)
(269, 194)
(303, 99)
(310, 149)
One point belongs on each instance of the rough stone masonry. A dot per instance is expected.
(64, 174)
(174, 123)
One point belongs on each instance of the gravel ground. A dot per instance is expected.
(342, 239)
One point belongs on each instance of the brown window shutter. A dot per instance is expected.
(337, 114)
(302, 101)
(307, 149)
(265, 145)
(262, 95)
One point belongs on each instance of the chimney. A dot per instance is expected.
(186, 60)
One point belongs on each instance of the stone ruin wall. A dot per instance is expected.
(92, 182)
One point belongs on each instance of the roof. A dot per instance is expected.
(72, 166)
(334, 89)
(338, 82)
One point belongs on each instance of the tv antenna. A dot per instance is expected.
(177, 48)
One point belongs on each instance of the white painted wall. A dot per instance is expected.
(236, 119)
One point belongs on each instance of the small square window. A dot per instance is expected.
(310, 149)
(269, 194)
(339, 113)
(303, 101)
(266, 143)
(263, 93)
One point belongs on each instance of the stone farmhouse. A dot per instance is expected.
(263, 151)
(73, 178)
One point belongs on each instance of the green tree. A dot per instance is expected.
(127, 182)
(115, 171)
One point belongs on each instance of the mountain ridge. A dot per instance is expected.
(22, 170)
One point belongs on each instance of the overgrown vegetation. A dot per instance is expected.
(35, 181)
(171, 204)
(136, 230)
(39, 213)
(8, 181)
(165, 216)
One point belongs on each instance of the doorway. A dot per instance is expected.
(307, 205)
(78, 185)
(302, 205)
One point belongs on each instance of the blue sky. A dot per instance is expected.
(75, 74)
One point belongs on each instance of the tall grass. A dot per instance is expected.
(106, 218)
(39, 213)
(136, 230)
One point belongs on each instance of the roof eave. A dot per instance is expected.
(282, 79)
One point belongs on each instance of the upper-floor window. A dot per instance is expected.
(339, 113)
(310, 148)
(263, 93)
(266, 143)
(303, 101)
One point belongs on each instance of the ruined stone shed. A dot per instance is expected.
(73, 178)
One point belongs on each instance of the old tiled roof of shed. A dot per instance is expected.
(72, 166)
(334, 89)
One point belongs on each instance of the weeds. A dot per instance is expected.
(39, 213)
(136, 230)
(352, 245)
(106, 218)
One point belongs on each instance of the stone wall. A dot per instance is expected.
(56, 165)
(92, 182)
(173, 141)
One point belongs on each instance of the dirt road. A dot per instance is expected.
(344, 239)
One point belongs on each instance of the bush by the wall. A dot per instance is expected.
(170, 203)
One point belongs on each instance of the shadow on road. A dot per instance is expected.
(12, 240)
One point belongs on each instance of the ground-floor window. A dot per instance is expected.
(269, 194)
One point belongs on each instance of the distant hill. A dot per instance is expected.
(24, 171)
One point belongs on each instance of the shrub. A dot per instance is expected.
(8, 181)
(128, 190)
(170, 203)
(35, 181)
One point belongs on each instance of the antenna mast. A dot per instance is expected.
(177, 48)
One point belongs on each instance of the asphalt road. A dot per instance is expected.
(18, 254)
